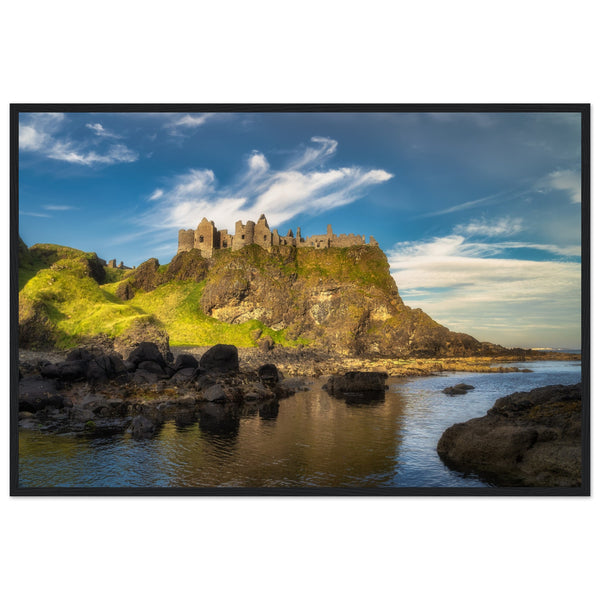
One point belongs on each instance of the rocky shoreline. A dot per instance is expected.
(526, 439)
(92, 391)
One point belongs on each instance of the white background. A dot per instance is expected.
(309, 51)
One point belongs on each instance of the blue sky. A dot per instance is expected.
(479, 213)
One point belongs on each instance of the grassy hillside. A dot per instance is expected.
(342, 299)
(62, 303)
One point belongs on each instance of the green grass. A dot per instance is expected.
(75, 304)
(176, 306)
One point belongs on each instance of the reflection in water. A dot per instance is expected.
(309, 439)
(269, 411)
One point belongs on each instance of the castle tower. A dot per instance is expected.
(262, 233)
(244, 235)
(186, 240)
(205, 237)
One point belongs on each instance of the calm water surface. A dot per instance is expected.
(310, 439)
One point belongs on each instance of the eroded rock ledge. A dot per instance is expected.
(526, 439)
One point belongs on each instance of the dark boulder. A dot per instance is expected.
(146, 351)
(185, 361)
(151, 367)
(222, 358)
(141, 377)
(269, 374)
(526, 439)
(215, 393)
(459, 388)
(51, 371)
(142, 427)
(118, 366)
(74, 370)
(183, 376)
(96, 373)
(356, 382)
(36, 394)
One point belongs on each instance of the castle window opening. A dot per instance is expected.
(224, 244)
(201, 238)
(265, 238)
(243, 237)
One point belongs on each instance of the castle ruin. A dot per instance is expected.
(207, 238)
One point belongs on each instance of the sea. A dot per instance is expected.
(310, 440)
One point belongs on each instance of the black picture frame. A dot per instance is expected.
(583, 109)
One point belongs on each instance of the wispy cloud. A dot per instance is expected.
(303, 186)
(34, 214)
(565, 180)
(471, 287)
(99, 130)
(491, 228)
(43, 133)
(59, 207)
(491, 199)
(180, 124)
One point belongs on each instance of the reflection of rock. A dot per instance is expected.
(142, 427)
(219, 419)
(528, 438)
(364, 398)
(269, 411)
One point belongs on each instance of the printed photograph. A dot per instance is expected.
(300, 301)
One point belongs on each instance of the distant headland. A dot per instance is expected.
(207, 238)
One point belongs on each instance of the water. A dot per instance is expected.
(309, 440)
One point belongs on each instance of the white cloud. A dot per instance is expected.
(565, 180)
(258, 163)
(312, 156)
(468, 287)
(303, 186)
(33, 214)
(177, 123)
(73, 153)
(58, 207)
(156, 194)
(40, 132)
(99, 130)
(487, 228)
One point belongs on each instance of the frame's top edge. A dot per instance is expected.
(301, 107)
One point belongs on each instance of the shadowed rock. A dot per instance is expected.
(222, 358)
(459, 388)
(356, 382)
(528, 438)
(146, 351)
(185, 361)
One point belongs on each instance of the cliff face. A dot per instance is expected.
(340, 299)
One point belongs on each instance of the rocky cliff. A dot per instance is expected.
(340, 299)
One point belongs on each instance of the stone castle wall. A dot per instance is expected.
(207, 238)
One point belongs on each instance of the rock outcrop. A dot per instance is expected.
(526, 439)
(342, 299)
